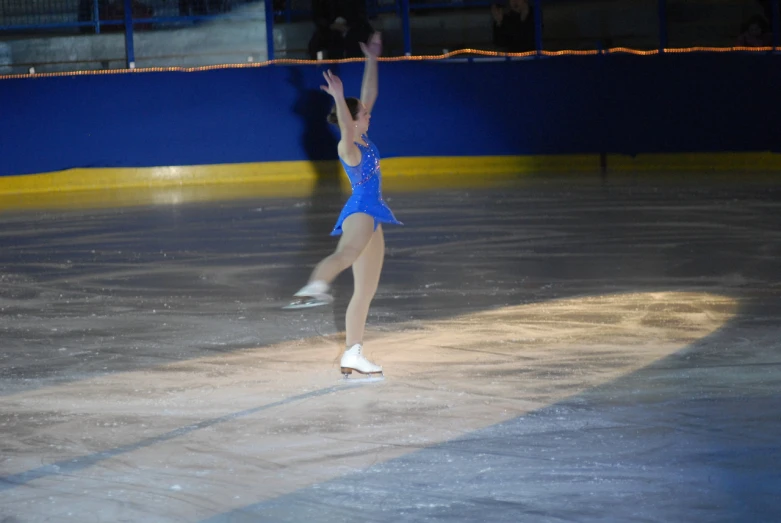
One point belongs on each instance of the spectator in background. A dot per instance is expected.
(514, 27)
(755, 33)
(341, 26)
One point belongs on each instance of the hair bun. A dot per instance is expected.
(353, 105)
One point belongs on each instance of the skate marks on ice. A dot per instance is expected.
(192, 440)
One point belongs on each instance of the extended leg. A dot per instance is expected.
(357, 232)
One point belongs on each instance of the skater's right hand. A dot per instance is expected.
(334, 87)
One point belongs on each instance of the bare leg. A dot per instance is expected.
(366, 275)
(357, 231)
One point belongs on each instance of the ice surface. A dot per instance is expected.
(554, 350)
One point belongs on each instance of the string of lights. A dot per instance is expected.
(444, 56)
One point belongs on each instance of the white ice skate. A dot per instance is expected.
(353, 360)
(311, 295)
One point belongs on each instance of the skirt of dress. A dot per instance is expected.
(376, 208)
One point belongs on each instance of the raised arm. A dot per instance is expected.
(347, 129)
(372, 49)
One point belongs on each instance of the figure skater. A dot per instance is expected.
(362, 244)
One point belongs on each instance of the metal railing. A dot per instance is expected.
(19, 17)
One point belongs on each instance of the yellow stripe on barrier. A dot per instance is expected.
(118, 187)
(735, 163)
(131, 177)
(299, 175)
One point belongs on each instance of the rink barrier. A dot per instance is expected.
(235, 124)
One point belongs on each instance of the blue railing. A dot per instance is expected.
(94, 14)
(99, 21)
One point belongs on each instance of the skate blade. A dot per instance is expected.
(367, 377)
(305, 304)
(363, 380)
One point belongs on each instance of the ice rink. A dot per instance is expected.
(555, 349)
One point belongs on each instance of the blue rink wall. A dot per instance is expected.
(559, 107)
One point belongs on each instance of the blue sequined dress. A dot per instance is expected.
(366, 181)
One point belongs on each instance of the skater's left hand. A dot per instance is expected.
(334, 87)
(373, 48)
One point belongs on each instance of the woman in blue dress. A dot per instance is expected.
(362, 244)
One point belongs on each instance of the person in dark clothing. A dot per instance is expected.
(514, 27)
(755, 33)
(340, 28)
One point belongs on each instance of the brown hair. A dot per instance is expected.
(353, 104)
